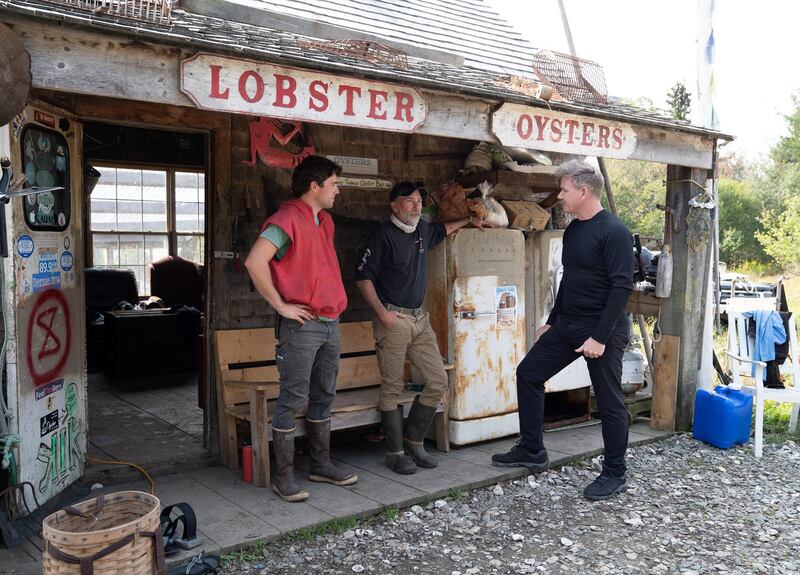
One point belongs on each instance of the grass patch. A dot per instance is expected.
(455, 494)
(389, 513)
(776, 422)
(254, 552)
(332, 527)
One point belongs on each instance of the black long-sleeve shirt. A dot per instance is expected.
(597, 257)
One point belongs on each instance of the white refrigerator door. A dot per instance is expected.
(544, 277)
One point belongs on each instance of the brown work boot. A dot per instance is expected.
(419, 419)
(396, 459)
(283, 483)
(321, 468)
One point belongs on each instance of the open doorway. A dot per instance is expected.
(145, 230)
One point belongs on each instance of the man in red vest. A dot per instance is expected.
(293, 265)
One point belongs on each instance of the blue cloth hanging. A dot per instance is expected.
(769, 333)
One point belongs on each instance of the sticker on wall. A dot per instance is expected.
(22, 286)
(48, 275)
(63, 454)
(66, 242)
(506, 305)
(18, 123)
(44, 215)
(44, 118)
(25, 246)
(48, 423)
(44, 390)
(66, 261)
(46, 280)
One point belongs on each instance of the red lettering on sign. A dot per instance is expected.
(524, 126)
(588, 133)
(50, 321)
(215, 92)
(404, 104)
(285, 87)
(44, 118)
(616, 138)
(555, 130)
(541, 125)
(602, 137)
(572, 125)
(243, 86)
(350, 91)
(376, 106)
(319, 93)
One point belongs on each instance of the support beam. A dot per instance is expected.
(682, 314)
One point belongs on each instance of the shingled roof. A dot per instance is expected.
(215, 35)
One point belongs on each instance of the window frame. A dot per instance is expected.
(171, 232)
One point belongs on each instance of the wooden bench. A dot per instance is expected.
(247, 389)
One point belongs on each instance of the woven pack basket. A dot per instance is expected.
(115, 534)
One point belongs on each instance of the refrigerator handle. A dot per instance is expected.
(475, 314)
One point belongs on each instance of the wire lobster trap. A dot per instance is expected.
(361, 49)
(574, 78)
(151, 11)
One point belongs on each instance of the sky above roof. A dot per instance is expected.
(645, 47)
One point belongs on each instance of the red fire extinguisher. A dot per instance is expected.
(247, 462)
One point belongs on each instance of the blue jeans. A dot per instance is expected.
(307, 357)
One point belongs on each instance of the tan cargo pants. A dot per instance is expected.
(412, 337)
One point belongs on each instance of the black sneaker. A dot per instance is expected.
(520, 456)
(605, 486)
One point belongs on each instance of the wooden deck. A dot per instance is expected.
(232, 514)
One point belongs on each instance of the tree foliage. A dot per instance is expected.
(679, 101)
(638, 187)
(740, 208)
(780, 234)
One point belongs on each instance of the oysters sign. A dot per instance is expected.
(235, 85)
(542, 129)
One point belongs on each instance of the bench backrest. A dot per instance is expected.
(249, 355)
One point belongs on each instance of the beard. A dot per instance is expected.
(409, 219)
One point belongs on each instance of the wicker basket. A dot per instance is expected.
(115, 534)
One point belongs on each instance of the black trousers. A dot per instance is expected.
(553, 352)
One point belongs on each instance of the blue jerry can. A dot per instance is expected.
(722, 417)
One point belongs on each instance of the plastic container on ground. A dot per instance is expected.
(722, 417)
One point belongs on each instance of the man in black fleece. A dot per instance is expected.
(588, 319)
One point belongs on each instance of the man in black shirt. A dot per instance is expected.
(588, 319)
(391, 278)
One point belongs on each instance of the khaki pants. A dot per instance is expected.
(410, 337)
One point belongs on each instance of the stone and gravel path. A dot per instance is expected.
(690, 509)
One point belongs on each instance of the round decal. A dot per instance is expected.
(66, 261)
(45, 179)
(25, 246)
(61, 219)
(66, 242)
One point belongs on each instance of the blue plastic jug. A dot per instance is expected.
(722, 417)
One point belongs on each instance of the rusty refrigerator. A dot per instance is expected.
(476, 298)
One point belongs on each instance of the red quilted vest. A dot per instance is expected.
(308, 273)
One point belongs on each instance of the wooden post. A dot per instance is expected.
(682, 314)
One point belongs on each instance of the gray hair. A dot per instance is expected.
(581, 174)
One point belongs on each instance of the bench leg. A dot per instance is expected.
(442, 425)
(230, 440)
(259, 438)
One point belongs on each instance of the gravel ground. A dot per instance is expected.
(690, 509)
